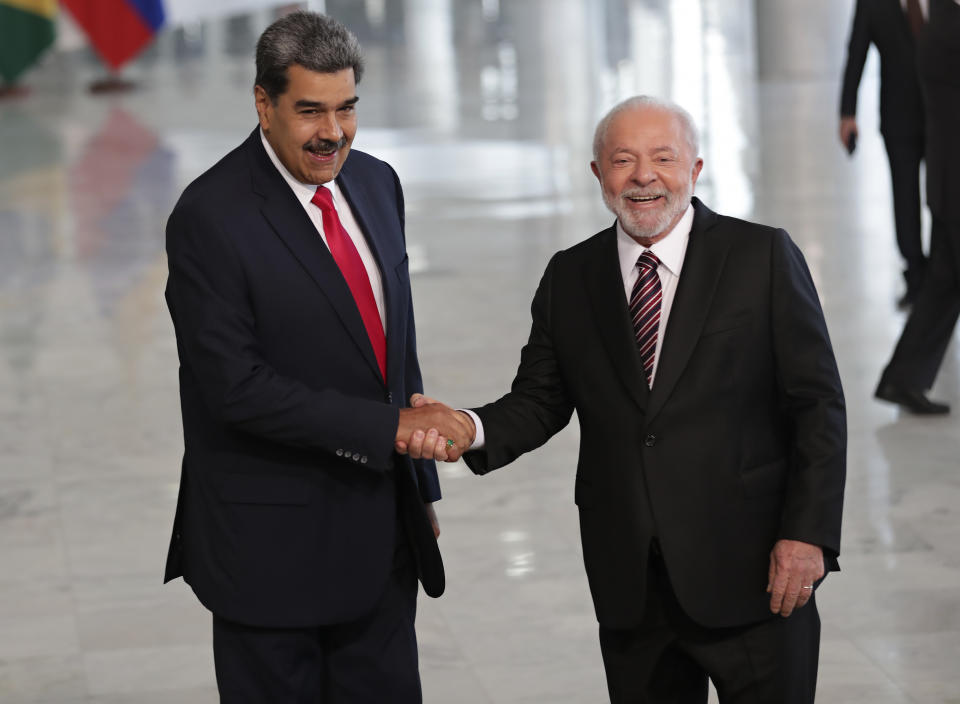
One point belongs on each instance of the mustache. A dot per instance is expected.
(325, 145)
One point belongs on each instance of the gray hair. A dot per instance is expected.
(646, 101)
(316, 42)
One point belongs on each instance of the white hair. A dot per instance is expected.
(691, 134)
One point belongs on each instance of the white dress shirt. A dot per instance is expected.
(671, 251)
(304, 193)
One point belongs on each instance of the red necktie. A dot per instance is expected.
(351, 266)
(645, 310)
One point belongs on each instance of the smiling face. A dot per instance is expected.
(647, 171)
(312, 124)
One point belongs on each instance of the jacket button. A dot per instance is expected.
(339, 452)
(356, 456)
(650, 440)
(389, 397)
(363, 460)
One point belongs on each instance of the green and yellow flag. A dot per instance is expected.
(26, 30)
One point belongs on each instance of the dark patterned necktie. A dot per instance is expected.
(645, 310)
(915, 17)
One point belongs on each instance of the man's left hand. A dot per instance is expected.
(794, 567)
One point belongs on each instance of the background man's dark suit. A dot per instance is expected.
(919, 353)
(884, 24)
(287, 513)
(740, 442)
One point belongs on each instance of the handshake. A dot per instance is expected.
(433, 431)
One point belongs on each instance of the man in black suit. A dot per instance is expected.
(297, 524)
(891, 26)
(919, 352)
(712, 452)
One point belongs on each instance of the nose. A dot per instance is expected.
(329, 127)
(643, 172)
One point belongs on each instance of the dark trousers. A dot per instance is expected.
(923, 343)
(369, 661)
(668, 658)
(904, 154)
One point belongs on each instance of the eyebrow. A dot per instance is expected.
(300, 104)
(655, 150)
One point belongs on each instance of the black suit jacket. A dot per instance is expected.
(288, 501)
(884, 24)
(940, 72)
(740, 442)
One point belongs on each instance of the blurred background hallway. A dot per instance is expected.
(486, 109)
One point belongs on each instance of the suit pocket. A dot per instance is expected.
(258, 489)
(765, 480)
(726, 322)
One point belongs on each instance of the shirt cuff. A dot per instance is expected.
(478, 439)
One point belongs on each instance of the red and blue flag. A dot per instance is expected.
(117, 29)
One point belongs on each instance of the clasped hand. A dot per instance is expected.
(424, 430)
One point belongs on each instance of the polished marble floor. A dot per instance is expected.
(486, 109)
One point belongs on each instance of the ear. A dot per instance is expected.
(596, 171)
(264, 105)
(695, 174)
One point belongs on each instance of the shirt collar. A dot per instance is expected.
(670, 250)
(303, 191)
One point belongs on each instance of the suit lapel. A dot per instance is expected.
(702, 265)
(291, 224)
(604, 286)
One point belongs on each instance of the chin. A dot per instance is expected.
(317, 177)
(644, 230)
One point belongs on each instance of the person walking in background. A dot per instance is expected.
(920, 350)
(893, 26)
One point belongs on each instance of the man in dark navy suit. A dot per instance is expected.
(892, 26)
(297, 524)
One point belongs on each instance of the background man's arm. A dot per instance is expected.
(857, 48)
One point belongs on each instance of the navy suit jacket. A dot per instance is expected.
(740, 442)
(884, 24)
(290, 487)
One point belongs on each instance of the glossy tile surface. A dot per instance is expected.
(486, 109)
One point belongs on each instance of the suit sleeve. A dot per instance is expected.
(537, 406)
(426, 470)
(812, 397)
(857, 48)
(218, 345)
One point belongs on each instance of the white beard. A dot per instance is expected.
(637, 225)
